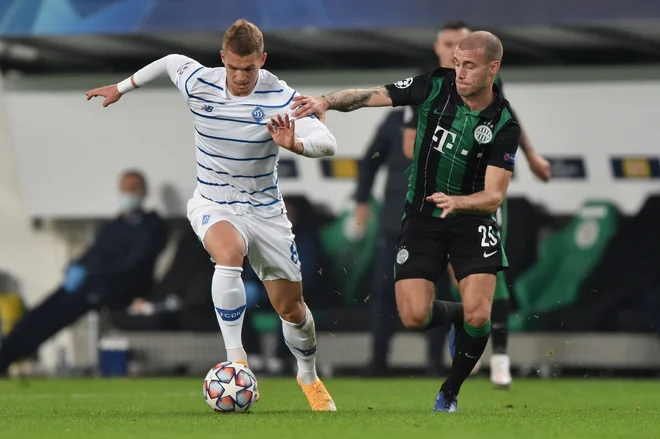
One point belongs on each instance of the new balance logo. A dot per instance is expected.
(230, 315)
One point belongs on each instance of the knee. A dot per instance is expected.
(477, 316)
(415, 317)
(292, 311)
(225, 245)
(228, 257)
(414, 299)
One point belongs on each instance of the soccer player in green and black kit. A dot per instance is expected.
(462, 164)
(500, 375)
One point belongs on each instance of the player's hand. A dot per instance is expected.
(306, 105)
(443, 201)
(109, 92)
(283, 131)
(539, 166)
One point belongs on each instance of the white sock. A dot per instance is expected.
(301, 339)
(229, 302)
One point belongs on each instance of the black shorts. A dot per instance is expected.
(471, 242)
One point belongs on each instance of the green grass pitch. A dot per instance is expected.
(396, 408)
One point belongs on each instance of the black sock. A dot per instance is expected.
(499, 317)
(470, 345)
(444, 312)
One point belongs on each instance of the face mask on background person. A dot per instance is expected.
(129, 202)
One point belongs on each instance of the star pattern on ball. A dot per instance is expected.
(231, 388)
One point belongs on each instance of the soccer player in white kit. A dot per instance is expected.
(241, 119)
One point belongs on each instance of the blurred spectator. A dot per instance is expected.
(114, 270)
(386, 148)
(181, 300)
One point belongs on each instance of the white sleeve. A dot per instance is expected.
(316, 138)
(173, 66)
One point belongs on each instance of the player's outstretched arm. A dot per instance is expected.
(342, 100)
(410, 91)
(169, 65)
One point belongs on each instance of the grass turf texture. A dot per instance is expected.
(396, 408)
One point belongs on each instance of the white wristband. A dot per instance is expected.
(125, 86)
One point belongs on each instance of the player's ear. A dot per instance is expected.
(263, 59)
(494, 67)
(222, 56)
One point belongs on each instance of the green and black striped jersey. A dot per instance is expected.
(454, 145)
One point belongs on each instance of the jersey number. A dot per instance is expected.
(487, 234)
(294, 253)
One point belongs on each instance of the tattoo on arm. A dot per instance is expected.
(352, 99)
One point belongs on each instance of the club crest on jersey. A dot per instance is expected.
(258, 114)
(404, 83)
(483, 134)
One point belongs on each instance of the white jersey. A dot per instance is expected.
(236, 156)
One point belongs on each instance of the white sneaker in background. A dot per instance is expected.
(500, 373)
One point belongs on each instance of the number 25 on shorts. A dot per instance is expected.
(488, 239)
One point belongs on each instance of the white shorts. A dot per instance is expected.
(269, 242)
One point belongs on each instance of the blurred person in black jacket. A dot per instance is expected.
(114, 270)
(386, 148)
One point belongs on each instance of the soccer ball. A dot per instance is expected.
(230, 387)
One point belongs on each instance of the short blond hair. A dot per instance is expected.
(243, 38)
(486, 41)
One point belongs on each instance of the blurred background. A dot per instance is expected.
(584, 248)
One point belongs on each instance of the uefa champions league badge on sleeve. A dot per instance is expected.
(402, 256)
(404, 83)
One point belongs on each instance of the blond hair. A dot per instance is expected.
(486, 41)
(243, 38)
